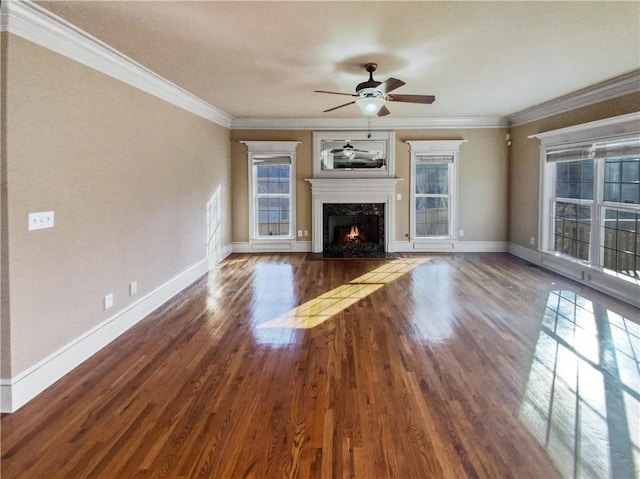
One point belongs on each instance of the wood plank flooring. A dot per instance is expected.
(281, 366)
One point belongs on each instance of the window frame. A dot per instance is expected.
(282, 153)
(257, 196)
(622, 128)
(435, 149)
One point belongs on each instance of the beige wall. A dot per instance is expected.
(128, 176)
(524, 166)
(482, 179)
(5, 327)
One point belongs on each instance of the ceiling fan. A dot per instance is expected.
(347, 149)
(372, 95)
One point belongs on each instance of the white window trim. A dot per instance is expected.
(603, 130)
(284, 148)
(421, 148)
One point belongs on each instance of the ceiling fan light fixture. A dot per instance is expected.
(372, 95)
(348, 150)
(370, 105)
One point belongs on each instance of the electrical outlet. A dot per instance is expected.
(399, 196)
(461, 233)
(299, 233)
(108, 301)
(306, 232)
(133, 288)
(532, 241)
(41, 220)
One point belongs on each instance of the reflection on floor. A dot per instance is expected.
(318, 310)
(582, 399)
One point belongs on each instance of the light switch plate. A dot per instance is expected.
(108, 301)
(40, 220)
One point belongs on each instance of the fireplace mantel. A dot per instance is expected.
(353, 190)
(353, 185)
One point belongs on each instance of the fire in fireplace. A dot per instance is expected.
(353, 229)
(355, 235)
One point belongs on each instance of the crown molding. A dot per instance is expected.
(36, 24)
(362, 124)
(607, 90)
(606, 128)
(32, 22)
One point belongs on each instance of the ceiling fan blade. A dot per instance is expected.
(389, 85)
(334, 93)
(383, 111)
(426, 99)
(354, 150)
(339, 106)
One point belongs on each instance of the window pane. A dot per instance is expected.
(432, 178)
(630, 193)
(622, 181)
(621, 242)
(273, 216)
(572, 229)
(574, 179)
(432, 216)
(630, 171)
(273, 179)
(612, 171)
(612, 192)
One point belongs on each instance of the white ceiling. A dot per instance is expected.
(263, 59)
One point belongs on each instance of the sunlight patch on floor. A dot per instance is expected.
(320, 309)
(582, 398)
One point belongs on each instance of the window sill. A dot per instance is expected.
(617, 285)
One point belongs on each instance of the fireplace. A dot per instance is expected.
(370, 200)
(353, 230)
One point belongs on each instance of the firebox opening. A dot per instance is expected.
(353, 230)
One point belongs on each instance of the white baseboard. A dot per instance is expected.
(240, 247)
(226, 251)
(218, 256)
(622, 289)
(399, 247)
(302, 247)
(272, 247)
(17, 391)
(451, 246)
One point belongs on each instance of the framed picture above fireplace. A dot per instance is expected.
(352, 154)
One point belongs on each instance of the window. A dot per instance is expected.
(272, 196)
(573, 206)
(621, 215)
(271, 191)
(433, 201)
(593, 194)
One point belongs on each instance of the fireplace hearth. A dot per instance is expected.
(353, 230)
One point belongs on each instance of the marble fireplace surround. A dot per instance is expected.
(353, 190)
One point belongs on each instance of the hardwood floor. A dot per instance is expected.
(280, 366)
